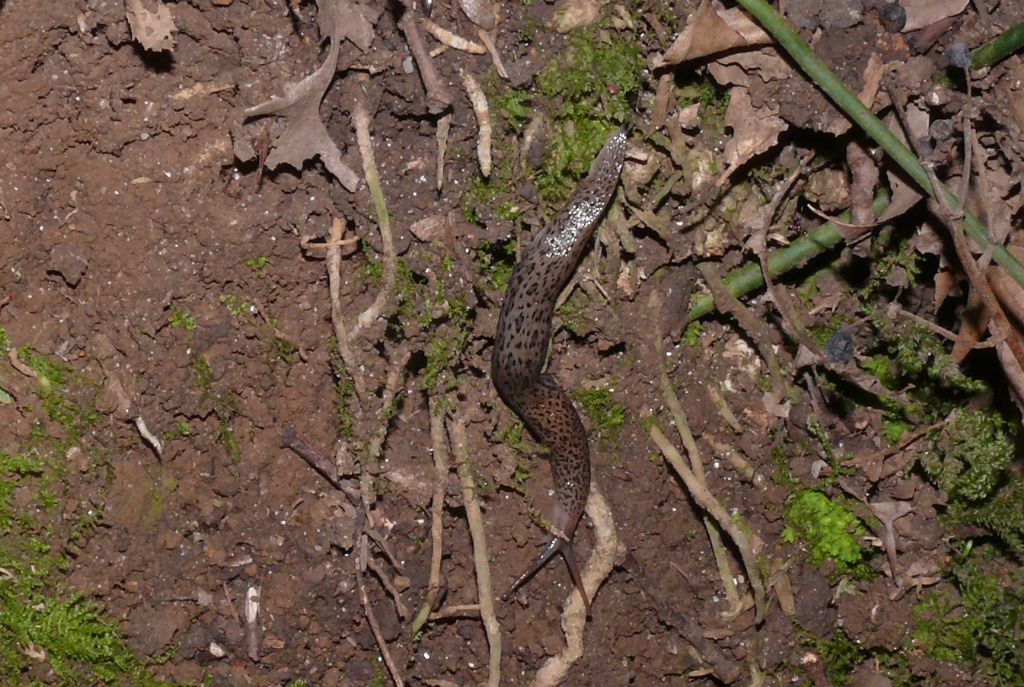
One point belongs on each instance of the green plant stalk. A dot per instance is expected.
(743, 280)
(847, 101)
(999, 48)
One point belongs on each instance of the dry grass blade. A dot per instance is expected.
(361, 119)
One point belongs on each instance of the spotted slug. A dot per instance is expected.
(521, 343)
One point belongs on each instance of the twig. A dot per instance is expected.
(1002, 325)
(668, 395)
(607, 549)
(337, 317)
(439, 99)
(371, 618)
(706, 500)
(480, 558)
(451, 39)
(403, 611)
(440, 446)
(722, 405)
(754, 327)
(488, 40)
(151, 439)
(999, 48)
(361, 119)
(456, 611)
(743, 280)
(443, 126)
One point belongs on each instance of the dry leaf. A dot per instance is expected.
(709, 30)
(573, 14)
(430, 227)
(921, 13)
(738, 69)
(305, 135)
(151, 30)
(754, 130)
(481, 13)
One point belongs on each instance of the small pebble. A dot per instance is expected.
(840, 347)
(959, 55)
(941, 129)
(892, 16)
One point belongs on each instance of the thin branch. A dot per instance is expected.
(706, 500)
(460, 445)
(440, 449)
(439, 99)
(371, 618)
(337, 318)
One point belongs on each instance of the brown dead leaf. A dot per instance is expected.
(430, 227)
(709, 30)
(481, 13)
(574, 14)
(738, 69)
(922, 13)
(305, 136)
(754, 130)
(150, 29)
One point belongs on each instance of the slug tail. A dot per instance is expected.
(556, 545)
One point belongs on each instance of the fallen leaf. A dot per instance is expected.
(430, 227)
(922, 13)
(150, 29)
(712, 29)
(754, 130)
(574, 14)
(305, 136)
(480, 12)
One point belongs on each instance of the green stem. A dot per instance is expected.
(743, 280)
(999, 48)
(847, 101)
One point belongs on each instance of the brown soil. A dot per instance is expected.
(123, 206)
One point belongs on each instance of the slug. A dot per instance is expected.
(521, 343)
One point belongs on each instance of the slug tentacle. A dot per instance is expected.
(520, 346)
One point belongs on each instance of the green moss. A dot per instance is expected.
(588, 89)
(265, 327)
(572, 314)
(372, 271)
(48, 635)
(606, 415)
(829, 529)
(55, 393)
(971, 461)
(971, 457)
(712, 99)
(514, 106)
(482, 195)
(258, 265)
(513, 436)
(496, 262)
(223, 404)
(692, 334)
(5, 343)
(983, 630)
(182, 320)
(840, 655)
